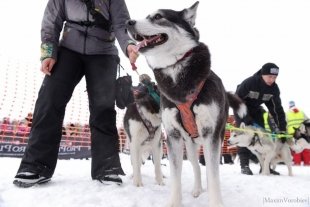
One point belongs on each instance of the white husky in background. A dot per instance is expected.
(194, 102)
(268, 150)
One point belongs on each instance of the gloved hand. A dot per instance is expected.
(282, 136)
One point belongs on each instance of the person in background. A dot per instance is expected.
(5, 125)
(87, 48)
(269, 122)
(294, 118)
(29, 119)
(261, 88)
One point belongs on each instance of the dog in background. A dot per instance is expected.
(268, 150)
(302, 136)
(142, 125)
(194, 102)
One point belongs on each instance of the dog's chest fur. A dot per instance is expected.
(178, 80)
(150, 111)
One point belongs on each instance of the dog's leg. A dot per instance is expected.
(212, 152)
(274, 163)
(175, 153)
(192, 155)
(267, 161)
(157, 150)
(287, 158)
(260, 160)
(136, 161)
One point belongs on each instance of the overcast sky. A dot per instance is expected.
(242, 35)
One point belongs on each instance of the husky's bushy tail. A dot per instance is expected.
(238, 106)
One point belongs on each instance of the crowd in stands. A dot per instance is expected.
(73, 134)
(17, 131)
(76, 134)
(15, 127)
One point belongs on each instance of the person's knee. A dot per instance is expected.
(54, 94)
(102, 117)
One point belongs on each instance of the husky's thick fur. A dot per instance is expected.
(268, 150)
(142, 125)
(302, 136)
(182, 68)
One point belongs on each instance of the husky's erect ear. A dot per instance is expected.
(242, 125)
(302, 129)
(190, 14)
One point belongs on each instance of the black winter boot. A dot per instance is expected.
(246, 170)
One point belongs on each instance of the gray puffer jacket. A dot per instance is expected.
(61, 14)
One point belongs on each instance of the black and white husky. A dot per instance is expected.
(302, 136)
(142, 125)
(194, 102)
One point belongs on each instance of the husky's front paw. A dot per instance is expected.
(137, 182)
(159, 180)
(196, 192)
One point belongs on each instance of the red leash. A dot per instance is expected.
(134, 68)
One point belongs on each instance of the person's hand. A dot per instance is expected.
(47, 65)
(282, 136)
(132, 51)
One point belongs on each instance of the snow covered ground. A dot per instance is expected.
(72, 186)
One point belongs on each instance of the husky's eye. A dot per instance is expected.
(158, 16)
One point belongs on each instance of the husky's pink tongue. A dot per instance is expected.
(145, 42)
(141, 44)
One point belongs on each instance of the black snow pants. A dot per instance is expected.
(56, 90)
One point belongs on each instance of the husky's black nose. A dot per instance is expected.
(131, 22)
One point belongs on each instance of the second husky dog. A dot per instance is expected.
(142, 125)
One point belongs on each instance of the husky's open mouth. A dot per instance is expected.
(150, 41)
(232, 144)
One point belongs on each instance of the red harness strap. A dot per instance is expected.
(187, 115)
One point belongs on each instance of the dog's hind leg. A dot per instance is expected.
(157, 151)
(287, 158)
(192, 155)
(212, 152)
(267, 162)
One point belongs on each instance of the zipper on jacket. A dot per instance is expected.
(86, 31)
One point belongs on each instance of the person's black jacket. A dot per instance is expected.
(254, 92)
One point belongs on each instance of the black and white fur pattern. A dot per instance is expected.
(268, 151)
(302, 136)
(142, 143)
(165, 38)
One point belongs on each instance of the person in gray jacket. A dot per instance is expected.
(86, 48)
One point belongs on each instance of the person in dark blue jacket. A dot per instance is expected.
(261, 88)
